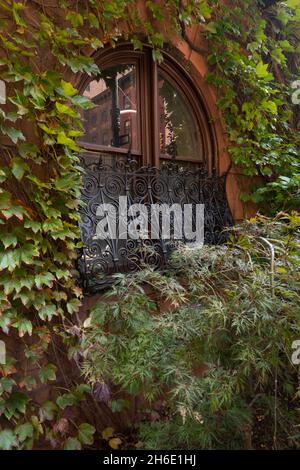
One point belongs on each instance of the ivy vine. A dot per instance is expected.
(255, 60)
(43, 48)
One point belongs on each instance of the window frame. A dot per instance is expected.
(147, 98)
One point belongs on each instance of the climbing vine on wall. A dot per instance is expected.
(44, 47)
(255, 60)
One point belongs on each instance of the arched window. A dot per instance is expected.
(146, 115)
(154, 110)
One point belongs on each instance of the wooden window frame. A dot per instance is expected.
(147, 98)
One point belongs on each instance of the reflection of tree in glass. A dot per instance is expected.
(110, 76)
(179, 127)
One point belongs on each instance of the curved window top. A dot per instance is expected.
(151, 110)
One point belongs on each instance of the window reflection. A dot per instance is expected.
(113, 122)
(179, 132)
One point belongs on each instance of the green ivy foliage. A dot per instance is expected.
(43, 50)
(40, 49)
(208, 343)
(254, 54)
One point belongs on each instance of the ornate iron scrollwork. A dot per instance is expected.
(104, 181)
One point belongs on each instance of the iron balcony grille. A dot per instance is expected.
(105, 179)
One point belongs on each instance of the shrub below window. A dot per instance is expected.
(208, 343)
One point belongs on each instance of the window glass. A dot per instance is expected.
(179, 133)
(114, 120)
(127, 102)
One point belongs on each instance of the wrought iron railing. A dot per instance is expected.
(104, 182)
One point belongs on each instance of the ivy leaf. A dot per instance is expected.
(114, 443)
(12, 116)
(47, 373)
(36, 424)
(37, 97)
(96, 43)
(15, 404)
(29, 383)
(47, 129)
(14, 211)
(286, 46)
(14, 134)
(93, 20)
(7, 439)
(47, 312)
(33, 225)
(270, 105)
(28, 252)
(18, 168)
(64, 109)
(137, 43)
(3, 175)
(205, 9)
(16, 7)
(8, 239)
(67, 399)
(26, 149)
(66, 182)
(157, 55)
(73, 305)
(5, 322)
(24, 431)
(85, 433)
(64, 140)
(9, 260)
(262, 71)
(278, 55)
(5, 200)
(21, 102)
(81, 390)
(6, 385)
(119, 405)
(44, 279)
(68, 88)
(74, 133)
(47, 411)
(81, 63)
(72, 444)
(75, 18)
(107, 433)
(83, 102)
(211, 27)
(24, 326)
